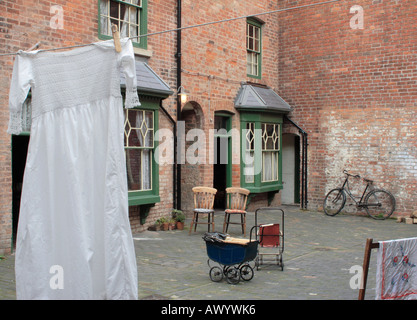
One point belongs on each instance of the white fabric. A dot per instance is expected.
(74, 239)
(396, 275)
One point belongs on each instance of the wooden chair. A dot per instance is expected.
(203, 204)
(236, 204)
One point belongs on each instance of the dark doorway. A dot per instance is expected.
(222, 158)
(19, 153)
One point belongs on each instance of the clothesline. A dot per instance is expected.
(192, 26)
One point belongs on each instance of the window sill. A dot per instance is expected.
(136, 199)
(265, 188)
(142, 52)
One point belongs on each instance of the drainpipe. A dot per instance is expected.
(179, 83)
(303, 164)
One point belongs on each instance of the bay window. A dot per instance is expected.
(261, 152)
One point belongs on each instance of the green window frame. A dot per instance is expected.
(253, 48)
(140, 149)
(129, 15)
(261, 156)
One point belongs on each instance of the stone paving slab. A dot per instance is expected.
(318, 254)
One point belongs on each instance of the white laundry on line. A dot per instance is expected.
(74, 206)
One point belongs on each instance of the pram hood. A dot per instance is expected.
(215, 236)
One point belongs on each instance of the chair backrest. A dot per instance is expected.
(237, 198)
(204, 197)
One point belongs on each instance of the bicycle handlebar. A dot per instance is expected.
(352, 175)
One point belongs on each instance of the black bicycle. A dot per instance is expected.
(378, 203)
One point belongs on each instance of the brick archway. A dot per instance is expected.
(191, 174)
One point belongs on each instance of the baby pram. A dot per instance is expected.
(271, 238)
(232, 255)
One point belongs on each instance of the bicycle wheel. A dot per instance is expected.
(379, 204)
(334, 202)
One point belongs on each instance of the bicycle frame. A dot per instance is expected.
(346, 188)
(378, 203)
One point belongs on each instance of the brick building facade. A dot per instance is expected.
(25, 23)
(352, 88)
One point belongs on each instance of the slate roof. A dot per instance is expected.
(148, 82)
(257, 97)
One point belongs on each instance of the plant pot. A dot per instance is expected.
(171, 226)
(180, 225)
(164, 226)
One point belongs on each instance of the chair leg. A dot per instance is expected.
(228, 222)
(224, 223)
(196, 222)
(212, 222)
(243, 219)
(191, 225)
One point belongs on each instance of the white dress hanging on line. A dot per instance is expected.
(74, 239)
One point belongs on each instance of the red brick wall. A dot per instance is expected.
(23, 24)
(214, 64)
(354, 91)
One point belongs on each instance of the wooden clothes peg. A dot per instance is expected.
(116, 37)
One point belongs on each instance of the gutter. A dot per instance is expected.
(177, 190)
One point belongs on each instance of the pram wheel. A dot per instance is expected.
(233, 275)
(246, 272)
(216, 274)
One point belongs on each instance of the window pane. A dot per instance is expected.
(250, 136)
(250, 30)
(126, 15)
(252, 63)
(249, 159)
(257, 42)
(266, 166)
(249, 167)
(139, 137)
(139, 169)
(139, 131)
(146, 169)
(270, 136)
(104, 17)
(133, 167)
(253, 47)
(220, 122)
(147, 129)
(114, 10)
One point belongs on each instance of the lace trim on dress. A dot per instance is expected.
(15, 122)
(132, 99)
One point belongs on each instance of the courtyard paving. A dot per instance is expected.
(319, 252)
